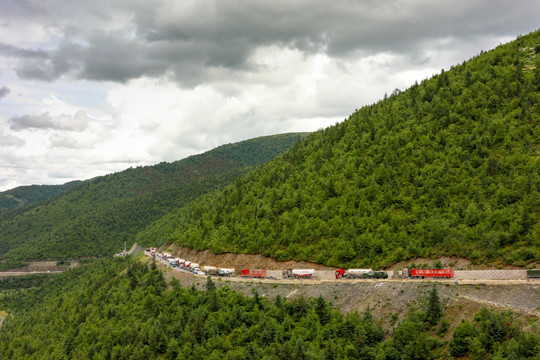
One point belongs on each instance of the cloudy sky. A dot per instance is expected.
(89, 88)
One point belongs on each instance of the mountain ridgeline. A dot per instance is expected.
(27, 195)
(449, 167)
(95, 218)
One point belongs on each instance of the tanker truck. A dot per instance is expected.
(360, 274)
(299, 274)
(225, 272)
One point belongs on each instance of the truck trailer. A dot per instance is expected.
(360, 274)
(225, 272)
(428, 273)
(299, 274)
(209, 270)
(254, 273)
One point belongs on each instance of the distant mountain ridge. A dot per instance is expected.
(29, 194)
(449, 167)
(95, 218)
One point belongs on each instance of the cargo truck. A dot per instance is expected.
(209, 270)
(360, 274)
(225, 272)
(428, 273)
(254, 273)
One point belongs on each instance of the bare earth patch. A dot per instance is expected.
(239, 261)
(44, 266)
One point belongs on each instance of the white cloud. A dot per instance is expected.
(10, 140)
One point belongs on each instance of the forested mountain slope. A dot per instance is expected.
(448, 167)
(26, 195)
(95, 218)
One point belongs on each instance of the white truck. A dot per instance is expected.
(356, 273)
(225, 272)
(176, 262)
(299, 274)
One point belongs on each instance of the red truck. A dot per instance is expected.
(254, 273)
(428, 273)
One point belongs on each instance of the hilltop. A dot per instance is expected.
(448, 167)
(96, 217)
(27, 195)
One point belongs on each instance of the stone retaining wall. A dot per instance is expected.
(490, 274)
(458, 275)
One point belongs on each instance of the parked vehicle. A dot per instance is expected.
(533, 274)
(176, 262)
(254, 273)
(225, 272)
(376, 275)
(352, 273)
(299, 274)
(209, 270)
(428, 273)
(193, 267)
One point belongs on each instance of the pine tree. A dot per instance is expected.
(210, 286)
(434, 310)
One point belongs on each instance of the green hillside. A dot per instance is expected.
(448, 167)
(124, 309)
(96, 218)
(26, 195)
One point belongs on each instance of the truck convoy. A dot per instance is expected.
(408, 273)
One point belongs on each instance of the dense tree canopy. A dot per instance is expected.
(448, 167)
(26, 195)
(124, 309)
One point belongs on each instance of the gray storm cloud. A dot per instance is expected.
(45, 121)
(4, 91)
(189, 40)
(17, 52)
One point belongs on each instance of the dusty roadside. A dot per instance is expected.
(230, 260)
